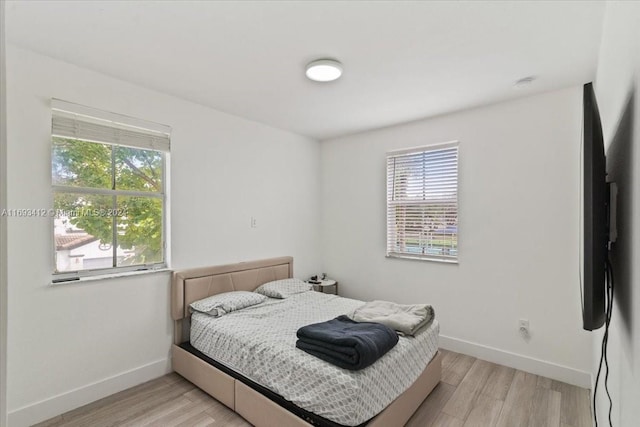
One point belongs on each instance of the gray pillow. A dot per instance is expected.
(283, 288)
(226, 302)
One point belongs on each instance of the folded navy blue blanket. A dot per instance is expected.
(345, 343)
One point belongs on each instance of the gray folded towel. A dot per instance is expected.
(406, 319)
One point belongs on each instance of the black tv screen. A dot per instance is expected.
(595, 196)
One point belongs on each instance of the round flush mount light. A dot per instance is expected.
(524, 82)
(324, 70)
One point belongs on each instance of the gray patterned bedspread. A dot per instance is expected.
(259, 342)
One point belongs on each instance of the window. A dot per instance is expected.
(109, 192)
(422, 203)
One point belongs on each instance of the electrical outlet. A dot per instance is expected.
(523, 327)
(254, 222)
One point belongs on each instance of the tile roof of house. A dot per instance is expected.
(72, 241)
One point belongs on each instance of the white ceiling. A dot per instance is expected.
(402, 60)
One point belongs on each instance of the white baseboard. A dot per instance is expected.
(518, 361)
(56, 405)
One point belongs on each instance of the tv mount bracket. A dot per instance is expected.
(612, 203)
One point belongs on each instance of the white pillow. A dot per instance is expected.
(283, 288)
(226, 302)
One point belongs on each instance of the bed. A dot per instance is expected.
(260, 394)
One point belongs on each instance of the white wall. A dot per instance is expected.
(618, 92)
(518, 222)
(71, 344)
(3, 224)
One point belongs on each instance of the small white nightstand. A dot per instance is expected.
(326, 287)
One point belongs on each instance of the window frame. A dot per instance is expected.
(389, 195)
(59, 277)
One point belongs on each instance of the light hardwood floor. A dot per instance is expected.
(472, 393)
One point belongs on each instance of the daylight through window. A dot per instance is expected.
(422, 203)
(109, 186)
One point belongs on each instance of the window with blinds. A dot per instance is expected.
(109, 192)
(422, 203)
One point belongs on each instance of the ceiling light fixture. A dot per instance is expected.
(524, 82)
(324, 70)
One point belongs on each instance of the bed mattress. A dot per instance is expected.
(259, 343)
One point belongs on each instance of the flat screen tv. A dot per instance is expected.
(595, 212)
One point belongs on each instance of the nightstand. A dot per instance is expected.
(327, 287)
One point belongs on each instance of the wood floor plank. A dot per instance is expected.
(197, 395)
(485, 412)
(516, 409)
(224, 416)
(151, 417)
(447, 357)
(445, 420)
(427, 413)
(464, 398)
(182, 414)
(455, 366)
(173, 377)
(575, 409)
(182, 384)
(129, 408)
(53, 422)
(499, 382)
(544, 382)
(583, 409)
(135, 392)
(545, 410)
(201, 419)
(103, 410)
(143, 410)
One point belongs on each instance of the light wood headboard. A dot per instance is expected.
(197, 283)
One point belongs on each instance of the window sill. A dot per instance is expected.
(419, 258)
(110, 276)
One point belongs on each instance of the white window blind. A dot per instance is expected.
(88, 124)
(422, 203)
